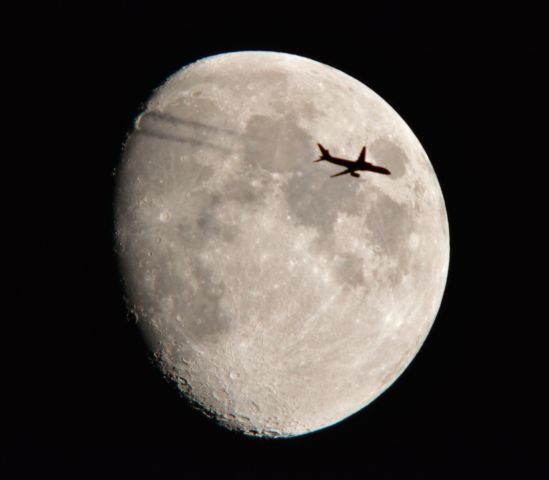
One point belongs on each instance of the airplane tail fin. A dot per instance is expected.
(362, 157)
(325, 154)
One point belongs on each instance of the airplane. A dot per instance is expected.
(352, 167)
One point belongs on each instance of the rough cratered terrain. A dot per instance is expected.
(278, 299)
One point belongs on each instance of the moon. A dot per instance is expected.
(277, 299)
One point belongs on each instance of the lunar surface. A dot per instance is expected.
(278, 300)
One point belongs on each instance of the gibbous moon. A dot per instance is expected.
(279, 300)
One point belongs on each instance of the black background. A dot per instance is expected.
(87, 403)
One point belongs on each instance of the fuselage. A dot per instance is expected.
(354, 166)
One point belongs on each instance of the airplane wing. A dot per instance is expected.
(362, 156)
(341, 173)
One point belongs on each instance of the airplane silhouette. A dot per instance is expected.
(352, 167)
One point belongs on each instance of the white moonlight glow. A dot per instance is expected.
(278, 299)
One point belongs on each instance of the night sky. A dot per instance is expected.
(86, 401)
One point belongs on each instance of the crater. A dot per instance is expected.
(165, 216)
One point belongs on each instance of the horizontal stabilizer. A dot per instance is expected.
(325, 153)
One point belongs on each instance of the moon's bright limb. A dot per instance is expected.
(278, 299)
